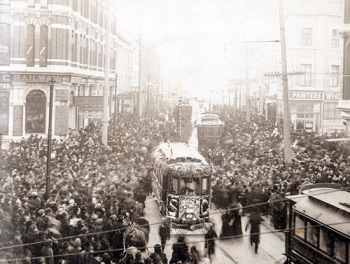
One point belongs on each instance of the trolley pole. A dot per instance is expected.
(49, 141)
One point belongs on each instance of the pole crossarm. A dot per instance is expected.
(280, 75)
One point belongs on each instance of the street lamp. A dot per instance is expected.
(49, 136)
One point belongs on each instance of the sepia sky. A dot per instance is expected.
(191, 36)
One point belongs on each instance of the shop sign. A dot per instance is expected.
(38, 78)
(305, 95)
(330, 125)
(5, 78)
(75, 79)
(90, 102)
(62, 96)
(5, 85)
(332, 96)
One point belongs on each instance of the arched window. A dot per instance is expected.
(30, 45)
(4, 44)
(35, 112)
(43, 46)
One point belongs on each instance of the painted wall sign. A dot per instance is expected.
(4, 112)
(18, 120)
(305, 95)
(332, 96)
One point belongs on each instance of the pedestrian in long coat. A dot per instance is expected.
(164, 234)
(255, 220)
(210, 237)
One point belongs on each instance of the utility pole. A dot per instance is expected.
(236, 97)
(115, 103)
(49, 141)
(229, 95)
(139, 93)
(240, 94)
(286, 118)
(161, 95)
(284, 76)
(148, 94)
(247, 90)
(106, 85)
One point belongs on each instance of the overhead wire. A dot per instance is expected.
(158, 223)
(171, 244)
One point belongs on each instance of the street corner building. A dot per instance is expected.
(66, 40)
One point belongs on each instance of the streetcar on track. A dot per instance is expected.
(318, 226)
(209, 130)
(182, 185)
(183, 117)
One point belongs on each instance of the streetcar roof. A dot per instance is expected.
(178, 152)
(336, 139)
(324, 205)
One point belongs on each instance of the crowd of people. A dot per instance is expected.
(250, 168)
(98, 191)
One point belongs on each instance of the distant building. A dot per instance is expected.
(66, 40)
(344, 31)
(313, 47)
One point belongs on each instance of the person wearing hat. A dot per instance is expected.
(164, 233)
(158, 250)
(180, 251)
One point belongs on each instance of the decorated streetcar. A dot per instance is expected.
(182, 185)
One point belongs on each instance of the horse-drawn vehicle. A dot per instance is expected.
(182, 185)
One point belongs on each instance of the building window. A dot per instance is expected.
(305, 79)
(5, 2)
(43, 3)
(43, 46)
(30, 45)
(330, 111)
(335, 39)
(335, 76)
(306, 37)
(4, 44)
(35, 112)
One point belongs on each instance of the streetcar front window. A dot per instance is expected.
(205, 186)
(175, 186)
